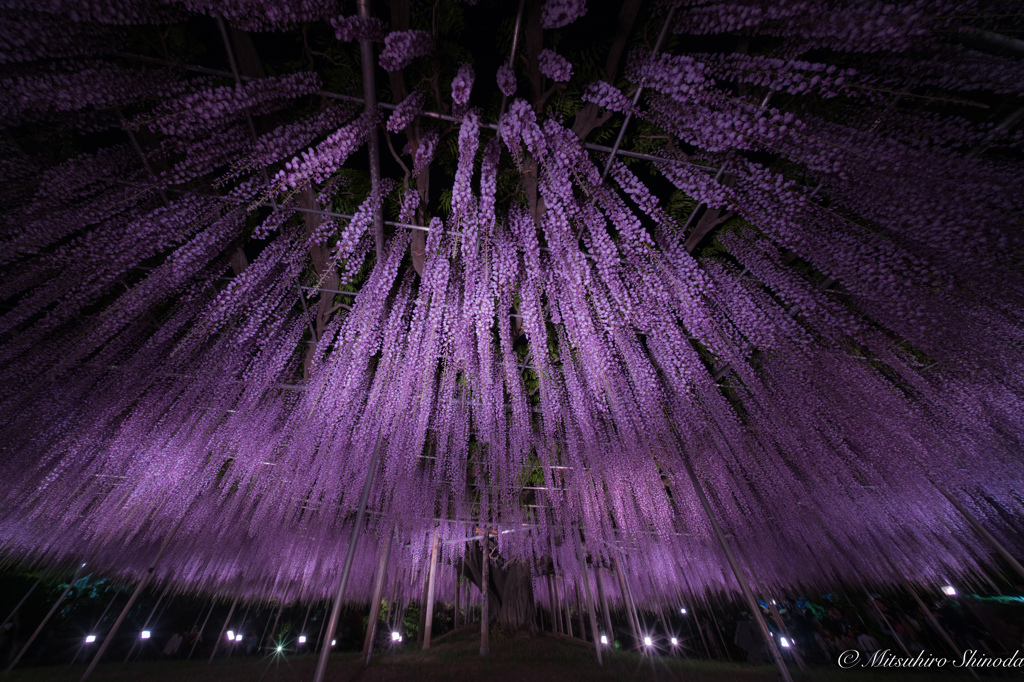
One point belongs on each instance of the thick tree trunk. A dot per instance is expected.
(510, 599)
(517, 615)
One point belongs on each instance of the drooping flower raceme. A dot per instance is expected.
(462, 84)
(359, 28)
(506, 80)
(554, 66)
(406, 111)
(401, 47)
(558, 13)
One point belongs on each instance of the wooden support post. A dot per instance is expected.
(998, 546)
(99, 622)
(887, 625)
(369, 63)
(241, 628)
(393, 610)
(131, 602)
(579, 612)
(740, 577)
(431, 585)
(937, 626)
(320, 633)
(485, 624)
(46, 619)
(633, 625)
(590, 604)
(332, 624)
(565, 605)
(277, 619)
(556, 615)
(421, 624)
(18, 606)
(201, 630)
(777, 617)
(224, 627)
(458, 606)
(145, 625)
(302, 630)
(603, 598)
(700, 630)
(378, 590)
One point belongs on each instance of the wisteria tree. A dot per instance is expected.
(617, 286)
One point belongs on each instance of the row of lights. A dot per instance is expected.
(947, 590)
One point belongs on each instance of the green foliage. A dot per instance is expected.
(680, 205)
(444, 200)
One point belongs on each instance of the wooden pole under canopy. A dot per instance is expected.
(748, 596)
(431, 585)
(46, 619)
(378, 589)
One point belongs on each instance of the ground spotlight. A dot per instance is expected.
(89, 639)
(145, 634)
(784, 643)
(604, 639)
(648, 641)
(949, 590)
(396, 637)
(302, 639)
(683, 610)
(333, 642)
(675, 642)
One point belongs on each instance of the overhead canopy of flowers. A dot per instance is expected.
(233, 286)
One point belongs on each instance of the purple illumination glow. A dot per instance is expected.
(811, 296)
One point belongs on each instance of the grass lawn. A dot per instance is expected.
(547, 658)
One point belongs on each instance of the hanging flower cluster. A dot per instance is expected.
(554, 66)
(359, 28)
(506, 80)
(406, 111)
(558, 13)
(401, 47)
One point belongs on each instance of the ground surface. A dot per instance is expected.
(546, 658)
